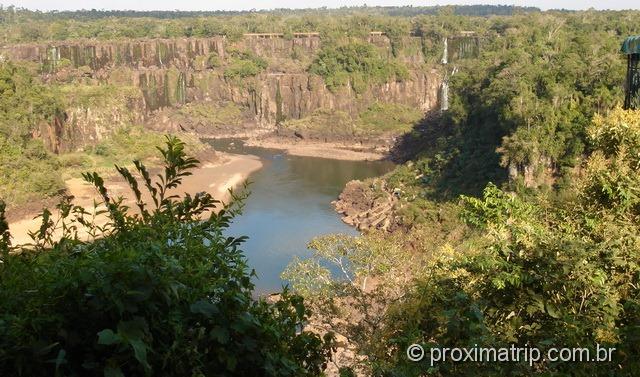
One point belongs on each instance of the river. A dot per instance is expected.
(290, 203)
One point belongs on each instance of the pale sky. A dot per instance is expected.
(257, 4)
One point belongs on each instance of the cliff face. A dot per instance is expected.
(100, 56)
(301, 94)
(170, 73)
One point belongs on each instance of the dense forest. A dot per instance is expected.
(20, 25)
(520, 203)
(516, 211)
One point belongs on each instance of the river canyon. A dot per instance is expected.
(172, 85)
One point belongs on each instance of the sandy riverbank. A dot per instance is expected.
(331, 150)
(215, 175)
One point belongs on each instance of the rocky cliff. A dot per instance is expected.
(171, 73)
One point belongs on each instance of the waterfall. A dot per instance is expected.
(444, 96)
(445, 53)
(181, 88)
(444, 88)
(51, 62)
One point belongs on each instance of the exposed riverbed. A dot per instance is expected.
(290, 203)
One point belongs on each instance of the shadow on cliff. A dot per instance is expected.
(453, 159)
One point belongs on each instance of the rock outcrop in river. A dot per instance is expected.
(366, 208)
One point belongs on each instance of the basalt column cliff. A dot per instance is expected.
(208, 85)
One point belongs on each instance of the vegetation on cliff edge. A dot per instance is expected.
(357, 64)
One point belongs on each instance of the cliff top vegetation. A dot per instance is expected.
(21, 25)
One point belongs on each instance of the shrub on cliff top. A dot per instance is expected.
(355, 63)
(163, 291)
(244, 64)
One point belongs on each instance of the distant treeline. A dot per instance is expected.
(405, 11)
(19, 25)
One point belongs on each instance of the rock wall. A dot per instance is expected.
(98, 56)
(301, 94)
(170, 73)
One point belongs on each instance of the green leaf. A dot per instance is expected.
(140, 351)
(60, 359)
(552, 310)
(108, 337)
(47, 349)
(205, 308)
(112, 372)
(134, 329)
(221, 334)
(232, 362)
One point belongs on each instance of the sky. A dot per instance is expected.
(261, 4)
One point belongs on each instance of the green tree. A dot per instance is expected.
(541, 271)
(27, 168)
(357, 64)
(159, 289)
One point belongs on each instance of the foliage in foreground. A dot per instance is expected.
(544, 270)
(161, 291)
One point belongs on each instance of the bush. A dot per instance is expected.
(617, 131)
(322, 123)
(74, 160)
(383, 117)
(212, 114)
(27, 172)
(357, 64)
(540, 271)
(102, 150)
(131, 142)
(163, 291)
(213, 60)
(244, 64)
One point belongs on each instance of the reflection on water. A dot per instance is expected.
(290, 203)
